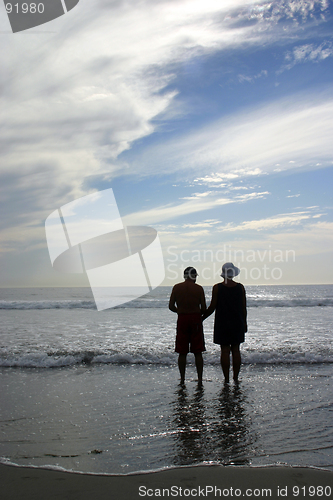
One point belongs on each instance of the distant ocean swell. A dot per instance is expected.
(145, 302)
(57, 360)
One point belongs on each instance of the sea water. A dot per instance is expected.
(98, 391)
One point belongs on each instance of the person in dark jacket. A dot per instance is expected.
(230, 325)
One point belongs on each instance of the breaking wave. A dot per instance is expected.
(67, 359)
(145, 302)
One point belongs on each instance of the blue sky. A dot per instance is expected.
(211, 120)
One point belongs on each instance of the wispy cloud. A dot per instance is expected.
(252, 79)
(193, 205)
(73, 103)
(313, 239)
(269, 223)
(197, 196)
(293, 195)
(292, 133)
(307, 53)
(280, 223)
(206, 223)
(219, 179)
(75, 99)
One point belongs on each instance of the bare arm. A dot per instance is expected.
(212, 305)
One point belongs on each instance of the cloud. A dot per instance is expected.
(193, 205)
(78, 94)
(307, 53)
(291, 133)
(293, 196)
(252, 79)
(197, 196)
(268, 227)
(279, 230)
(203, 224)
(79, 97)
(219, 179)
(270, 223)
(296, 252)
(313, 239)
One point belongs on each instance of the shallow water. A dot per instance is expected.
(60, 327)
(118, 419)
(98, 391)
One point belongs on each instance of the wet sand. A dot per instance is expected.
(211, 481)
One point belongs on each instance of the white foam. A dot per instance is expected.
(158, 302)
(46, 304)
(43, 360)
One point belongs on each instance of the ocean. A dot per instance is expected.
(98, 392)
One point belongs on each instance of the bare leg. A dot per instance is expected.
(199, 366)
(236, 361)
(182, 367)
(225, 361)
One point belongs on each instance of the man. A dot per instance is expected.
(188, 301)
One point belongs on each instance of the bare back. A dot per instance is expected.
(189, 297)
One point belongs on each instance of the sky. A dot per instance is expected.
(211, 120)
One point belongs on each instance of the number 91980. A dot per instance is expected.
(25, 8)
(312, 491)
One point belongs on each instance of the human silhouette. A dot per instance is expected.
(230, 325)
(188, 301)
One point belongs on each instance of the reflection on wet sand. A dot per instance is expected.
(189, 417)
(215, 430)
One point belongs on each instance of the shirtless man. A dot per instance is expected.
(188, 301)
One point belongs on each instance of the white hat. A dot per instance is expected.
(229, 270)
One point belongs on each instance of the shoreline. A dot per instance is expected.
(210, 481)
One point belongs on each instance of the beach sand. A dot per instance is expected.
(185, 482)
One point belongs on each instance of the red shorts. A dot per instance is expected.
(189, 333)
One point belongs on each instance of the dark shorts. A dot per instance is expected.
(190, 337)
